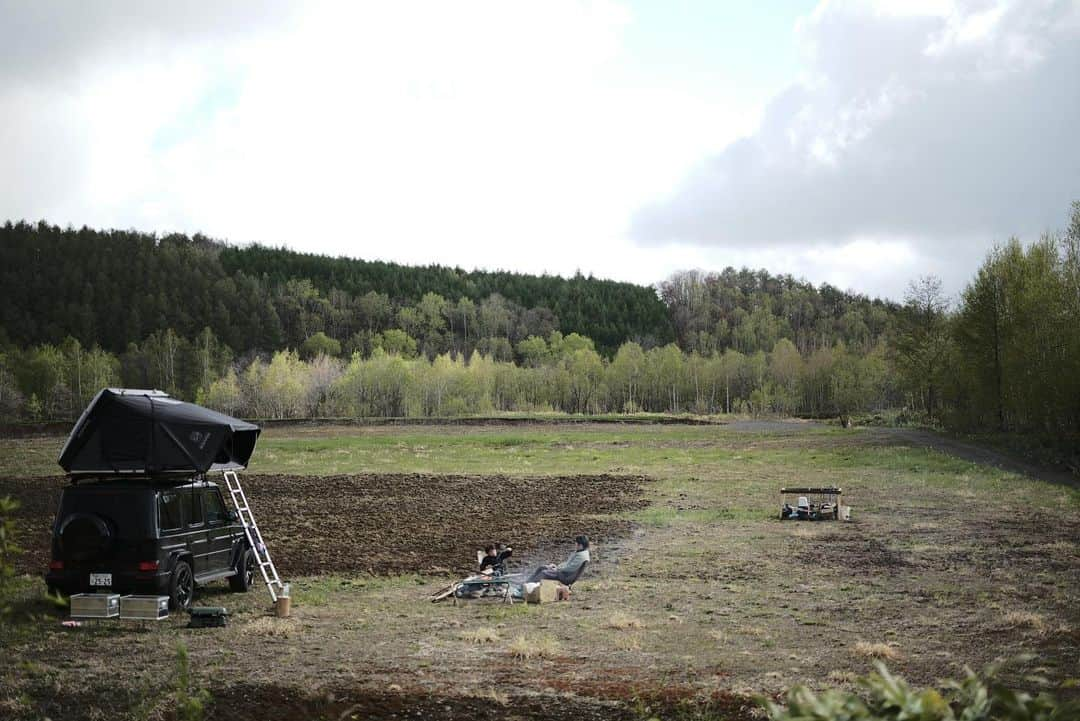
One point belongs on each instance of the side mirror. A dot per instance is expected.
(233, 516)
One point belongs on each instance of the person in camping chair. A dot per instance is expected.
(493, 558)
(568, 570)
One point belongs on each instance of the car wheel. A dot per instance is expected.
(181, 587)
(245, 572)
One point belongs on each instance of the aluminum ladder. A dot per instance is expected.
(254, 537)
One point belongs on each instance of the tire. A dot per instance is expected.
(84, 537)
(181, 587)
(245, 572)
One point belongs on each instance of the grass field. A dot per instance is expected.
(947, 563)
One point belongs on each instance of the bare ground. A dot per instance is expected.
(389, 523)
(706, 601)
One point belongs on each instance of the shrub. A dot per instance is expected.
(190, 699)
(8, 548)
(889, 698)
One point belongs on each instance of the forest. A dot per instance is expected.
(270, 333)
(112, 288)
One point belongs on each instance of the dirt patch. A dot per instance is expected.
(389, 523)
(254, 703)
(860, 553)
(419, 522)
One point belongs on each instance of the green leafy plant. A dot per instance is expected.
(8, 547)
(889, 698)
(190, 699)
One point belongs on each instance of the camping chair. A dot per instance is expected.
(569, 579)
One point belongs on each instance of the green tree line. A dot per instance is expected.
(751, 310)
(113, 287)
(564, 374)
(553, 373)
(1004, 355)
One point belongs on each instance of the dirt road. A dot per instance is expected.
(980, 454)
(920, 438)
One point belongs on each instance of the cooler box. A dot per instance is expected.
(95, 605)
(544, 592)
(144, 608)
(208, 617)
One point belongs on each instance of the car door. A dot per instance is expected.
(171, 523)
(196, 531)
(221, 534)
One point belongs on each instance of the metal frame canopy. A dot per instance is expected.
(824, 491)
(127, 431)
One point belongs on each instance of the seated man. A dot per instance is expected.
(566, 571)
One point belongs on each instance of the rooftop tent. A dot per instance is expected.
(144, 432)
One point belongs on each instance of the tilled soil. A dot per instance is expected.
(255, 703)
(259, 701)
(419, 522)
(389, 523)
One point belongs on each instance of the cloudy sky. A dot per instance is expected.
(859, 143)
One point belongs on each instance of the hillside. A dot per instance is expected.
(116, 287)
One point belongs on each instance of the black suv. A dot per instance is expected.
(147, 536)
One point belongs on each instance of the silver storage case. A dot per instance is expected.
(145, 608)
(95, 605)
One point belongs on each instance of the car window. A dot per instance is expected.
(169, 518)
(193, 510)
(215, 507)
(130, 511)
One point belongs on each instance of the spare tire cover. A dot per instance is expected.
(84, 536)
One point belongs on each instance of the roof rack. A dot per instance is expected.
(169, 479)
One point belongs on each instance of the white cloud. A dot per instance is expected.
(487, 134)
(949, 125)
(514, 135)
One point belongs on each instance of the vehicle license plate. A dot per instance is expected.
(100, 579)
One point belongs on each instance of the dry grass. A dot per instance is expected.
(271, 627)
(623, 621)
(1025, 620)
(749, 603)
(542, 647)
(498, 697)
(480, 635)
(877, 650)
(803, 531)
(1065, 548)
(14, 704)
(843, 677)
